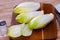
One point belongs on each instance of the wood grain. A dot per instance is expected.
(49, 32)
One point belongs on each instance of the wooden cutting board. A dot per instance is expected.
(47, 33)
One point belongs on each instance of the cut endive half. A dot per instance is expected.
(26, 31)
(26, 17)
(40, 21)
(19, 30)
(26, 7)
(14, 31)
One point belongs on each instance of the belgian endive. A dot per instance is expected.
(19, 30)
(14, 31)
(40, 21)
(26, 7)
(26, 17)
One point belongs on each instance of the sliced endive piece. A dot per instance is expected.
(26, 7)
(26, 17)
(26, 31)
(40, 21)
(19, 30)
(14, 31)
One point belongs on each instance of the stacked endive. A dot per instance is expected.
(29, 18)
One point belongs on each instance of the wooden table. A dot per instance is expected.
(6, 7)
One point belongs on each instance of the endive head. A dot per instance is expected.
(14, 31)
(19, 30)
(26, 7)
(40, 21)
(27, 17)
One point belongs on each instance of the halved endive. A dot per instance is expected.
(26, 17)
(40, 21)
(19, 30)
(14, 31)
(25, 30)
(26, 7)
